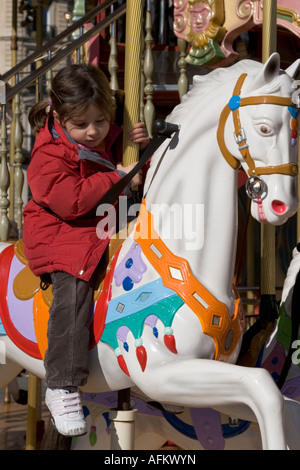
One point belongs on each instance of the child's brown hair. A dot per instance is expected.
(74, 88)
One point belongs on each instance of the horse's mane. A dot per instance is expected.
(203, 85)
(208, 81)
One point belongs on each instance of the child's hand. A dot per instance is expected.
(137, 179)
(139, 135)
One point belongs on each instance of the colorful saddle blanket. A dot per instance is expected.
(24, 307)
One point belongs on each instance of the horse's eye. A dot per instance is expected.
(264, 129)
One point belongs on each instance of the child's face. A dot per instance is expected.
(90, 128)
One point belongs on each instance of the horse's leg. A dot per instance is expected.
(206, 383)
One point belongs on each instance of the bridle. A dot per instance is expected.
(254, 172)
(255, 186)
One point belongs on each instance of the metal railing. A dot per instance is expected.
(69, 49)
(13, 184)
(11, 168)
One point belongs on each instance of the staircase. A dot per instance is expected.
(101, 37)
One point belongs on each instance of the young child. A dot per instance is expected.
(75, 160)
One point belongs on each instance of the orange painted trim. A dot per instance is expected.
(26, 345)
(212, 314)
(40, 320)
(41, 314)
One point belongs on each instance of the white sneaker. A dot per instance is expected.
(66, 410)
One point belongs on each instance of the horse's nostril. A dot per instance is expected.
(278, 206)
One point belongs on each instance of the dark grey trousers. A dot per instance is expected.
(66, 359)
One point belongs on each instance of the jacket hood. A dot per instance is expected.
(54, 133)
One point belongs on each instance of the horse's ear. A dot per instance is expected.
(294, 70)
(268, 72)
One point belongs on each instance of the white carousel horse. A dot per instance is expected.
(197, 429)
(168, 321)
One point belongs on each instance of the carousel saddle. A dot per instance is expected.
(26, 285)
(24, 305)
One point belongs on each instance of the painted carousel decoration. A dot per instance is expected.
(212, 26)
(200, 23)
(166, 319)
(205, 428)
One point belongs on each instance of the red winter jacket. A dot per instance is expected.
(70, 181)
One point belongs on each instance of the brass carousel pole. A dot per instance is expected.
(132, 77)
(268, 307)
(123, 419)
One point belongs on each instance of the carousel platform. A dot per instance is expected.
(13, 420)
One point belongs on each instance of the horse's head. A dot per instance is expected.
(258, 130)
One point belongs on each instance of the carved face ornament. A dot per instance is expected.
(201, 21)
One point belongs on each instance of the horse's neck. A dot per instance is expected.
(194, 207)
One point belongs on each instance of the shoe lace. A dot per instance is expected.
(66, 402)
